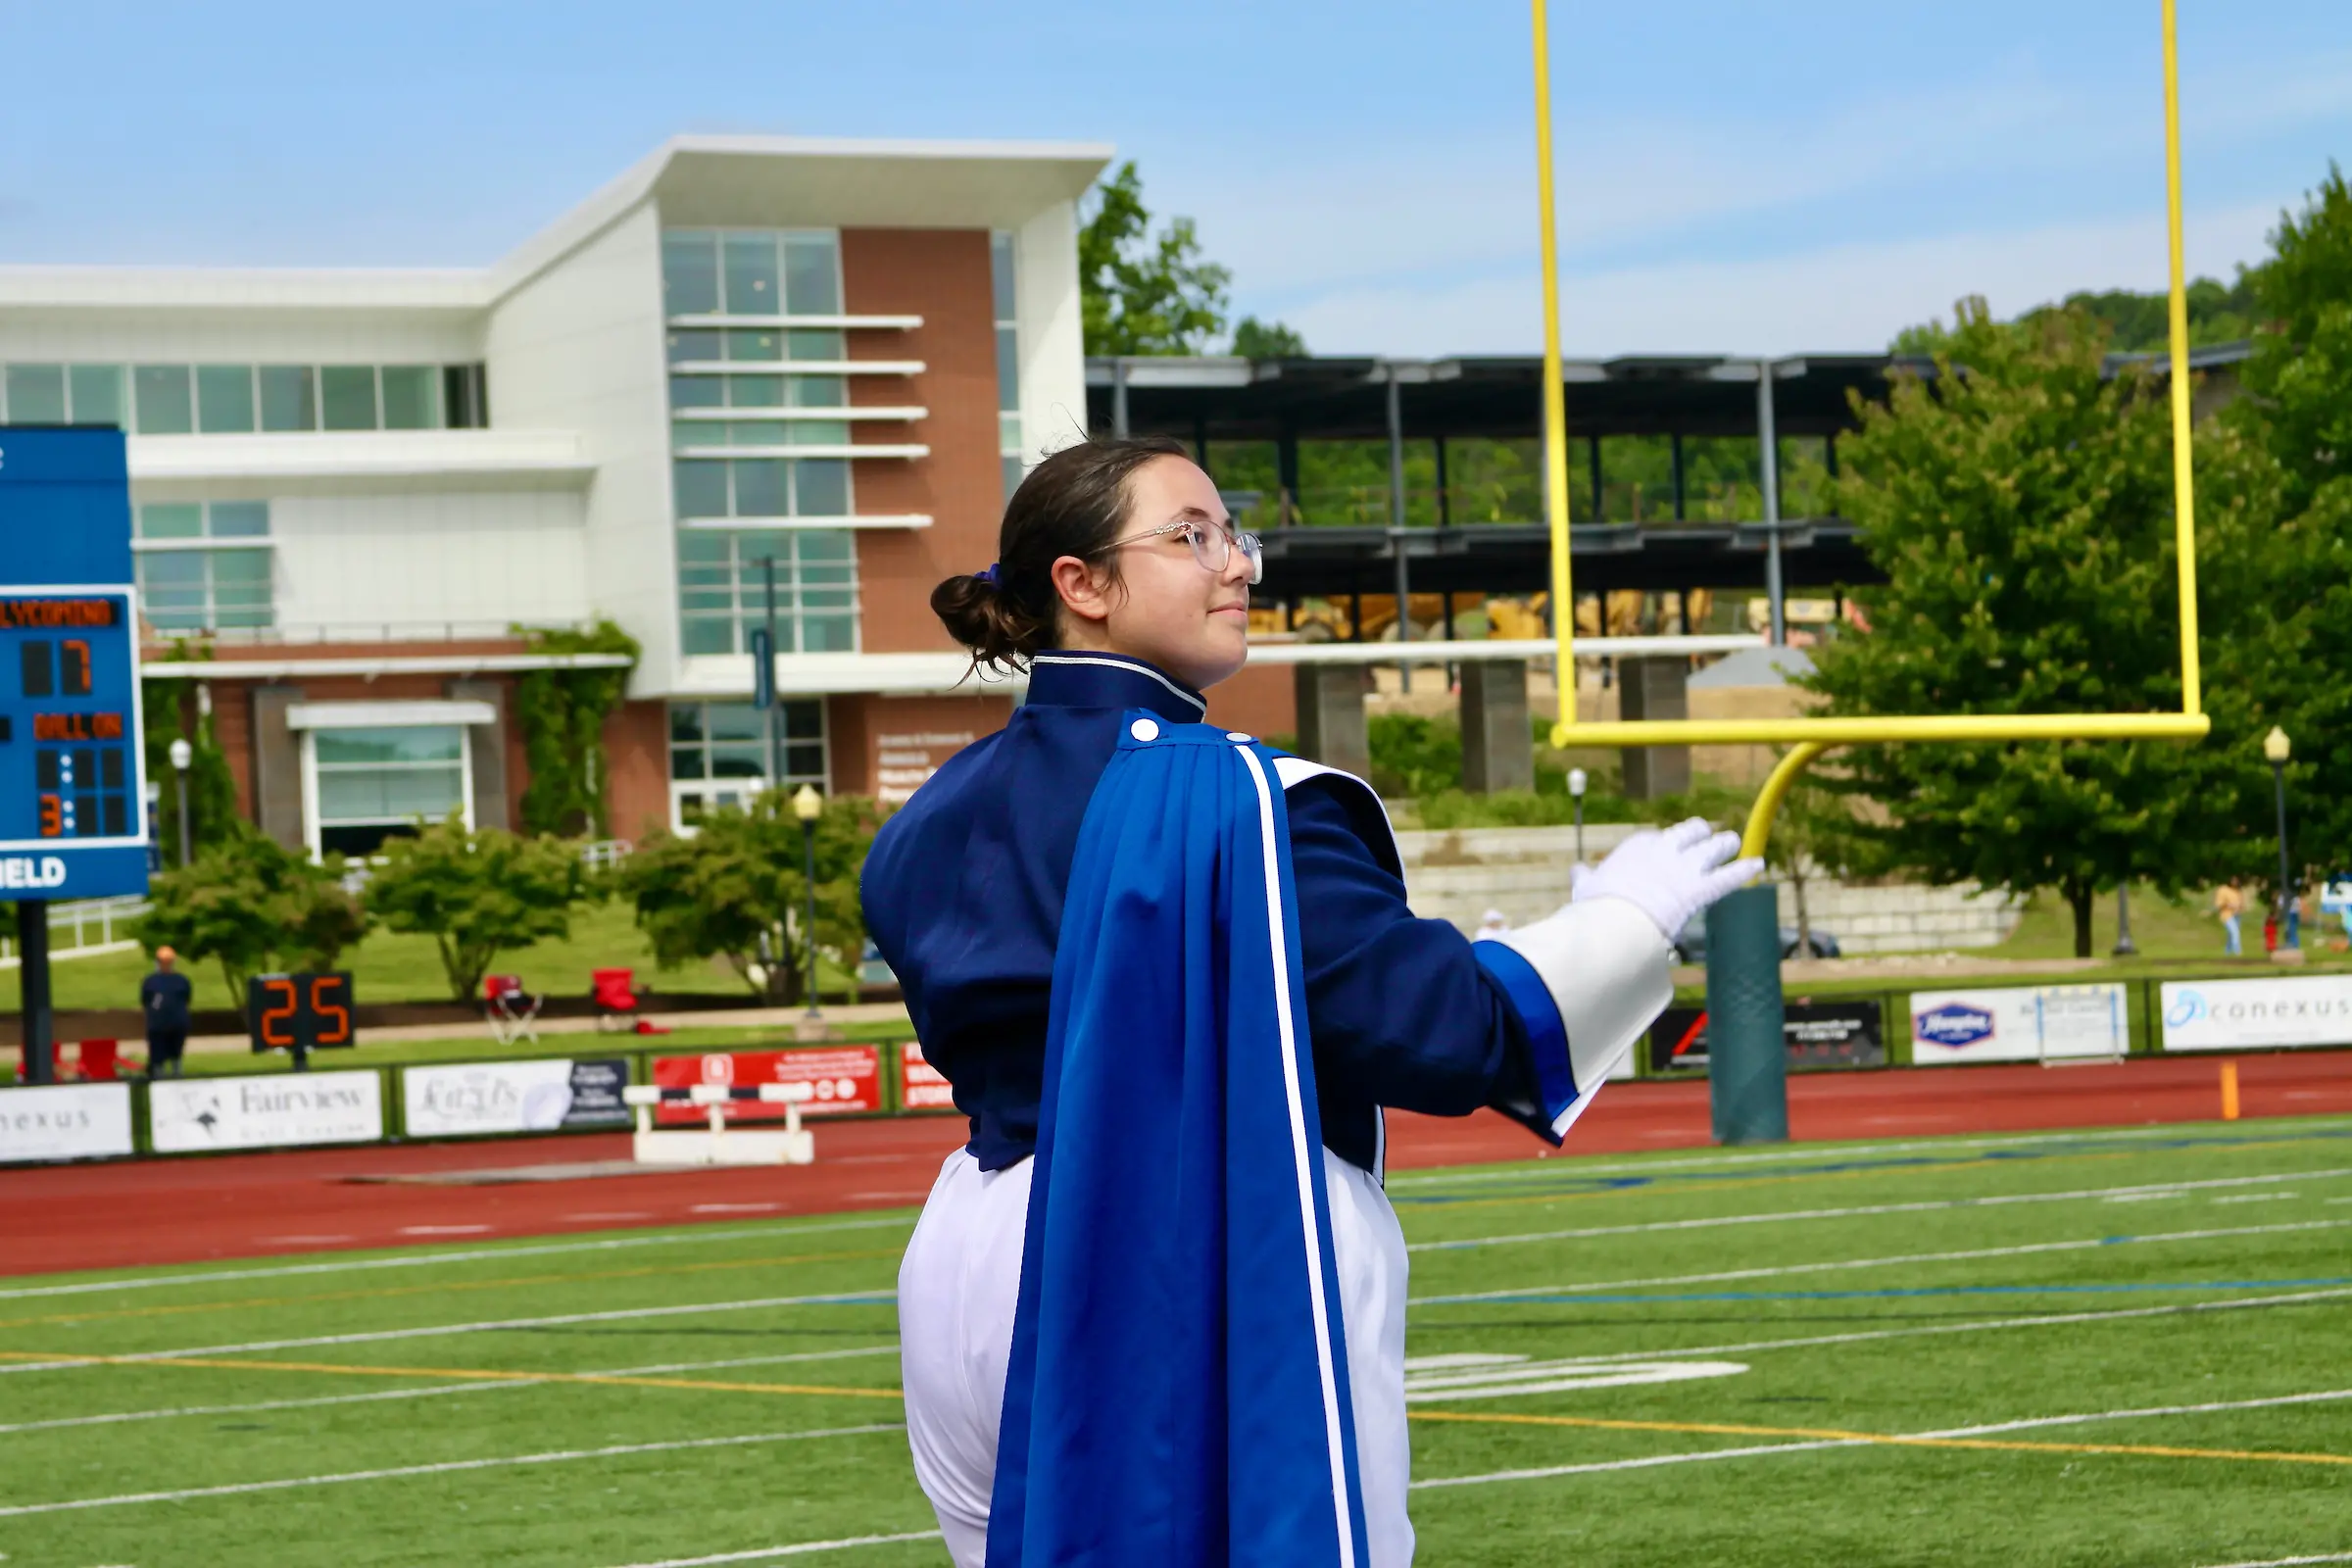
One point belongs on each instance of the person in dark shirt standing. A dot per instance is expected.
(164, 997)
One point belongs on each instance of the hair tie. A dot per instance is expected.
(991, 575)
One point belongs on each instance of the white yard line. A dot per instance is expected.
(2289, 1562)
(1929, 1205)
(2277, 1131)
(1812, 1445)
(770, 1554)
(2021, 1250)
(439, 1330)
(2045, 1320)
(427, 1258)
(434, 1390)
(445, 1467)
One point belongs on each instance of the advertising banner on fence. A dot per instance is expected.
(64, 1121)
(840, 1079)
(2250, 1015)
(476, 1098)
(2017, 1023)
(1819, 1034)
(276, 1110)
(921, 1086)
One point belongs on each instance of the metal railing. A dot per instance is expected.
(83, 918)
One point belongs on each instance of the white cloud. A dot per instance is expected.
(1849, 296)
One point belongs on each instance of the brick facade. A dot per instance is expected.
(943, 276)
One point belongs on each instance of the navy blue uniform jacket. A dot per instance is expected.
(964, 896)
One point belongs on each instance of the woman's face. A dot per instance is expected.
(1166, 609)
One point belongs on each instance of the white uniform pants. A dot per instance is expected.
(960, 1285)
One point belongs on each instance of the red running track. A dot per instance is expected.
(158, 1211)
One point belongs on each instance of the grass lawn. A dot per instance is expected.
(389, 966)
(2115, 1348)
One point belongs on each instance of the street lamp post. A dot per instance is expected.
(1576, 792)
(2276, 748)
(182, 755)
(808, 806)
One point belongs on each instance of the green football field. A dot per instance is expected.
(2124, 1348)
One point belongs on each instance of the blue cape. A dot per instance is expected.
(1178, 1389)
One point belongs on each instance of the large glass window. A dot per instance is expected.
(233, 398)
(723, 589)
(186, 583)
(411, 397)
(753, 271)
(289, 397)
(36, 394)
(718, 754)
(347, 396)
(690, 273)
(165, 405)
(1008, 357)
(760, 487)
(223, 398)
(373, 784)
(97, 393)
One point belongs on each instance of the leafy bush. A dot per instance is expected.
(736, 890)
(254, 907)
(1413, 755)
(476, 893)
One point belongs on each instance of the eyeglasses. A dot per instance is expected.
(1213, 546)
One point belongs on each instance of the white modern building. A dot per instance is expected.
(818, 359)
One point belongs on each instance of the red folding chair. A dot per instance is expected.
(512, 1012)
(615, 994)
(100, 1060)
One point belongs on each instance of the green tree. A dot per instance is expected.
(735, 890)
(2296, 427)
(1142, 292)
(477, 893)
(1254, 339)
(252, 907)
(2137, 323)
(170, 710)
(2020, 504)
(561, 715)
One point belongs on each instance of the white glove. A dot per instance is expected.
(1669, 877)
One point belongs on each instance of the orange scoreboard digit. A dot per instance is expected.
(299, 1012)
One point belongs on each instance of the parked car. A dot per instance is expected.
(1691, 947)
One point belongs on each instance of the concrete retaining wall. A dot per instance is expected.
(1523, 872)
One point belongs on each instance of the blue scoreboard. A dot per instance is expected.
(73, 769)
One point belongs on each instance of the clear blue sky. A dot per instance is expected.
(1809, 175)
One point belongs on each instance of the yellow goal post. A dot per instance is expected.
(1809, 736)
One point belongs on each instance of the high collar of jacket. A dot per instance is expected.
(1063, 677)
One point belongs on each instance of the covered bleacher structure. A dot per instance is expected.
(1426, 543)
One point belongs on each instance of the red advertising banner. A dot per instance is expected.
(840, 1078)
(922, 1087)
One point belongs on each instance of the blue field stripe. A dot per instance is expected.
(1541, 1180)
(1884, 1294)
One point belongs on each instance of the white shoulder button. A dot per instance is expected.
(1143, 729)
(1236, 736)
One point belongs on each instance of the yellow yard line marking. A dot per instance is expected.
(482, 1375)
(384, 1293)
(1888, 1438)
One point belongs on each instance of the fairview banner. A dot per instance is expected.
(840, 1079)
(188, 1115)
(64, 1121)
(2239, 1015)
(922, 1087)
(552, 1094)
(2017, 1023)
